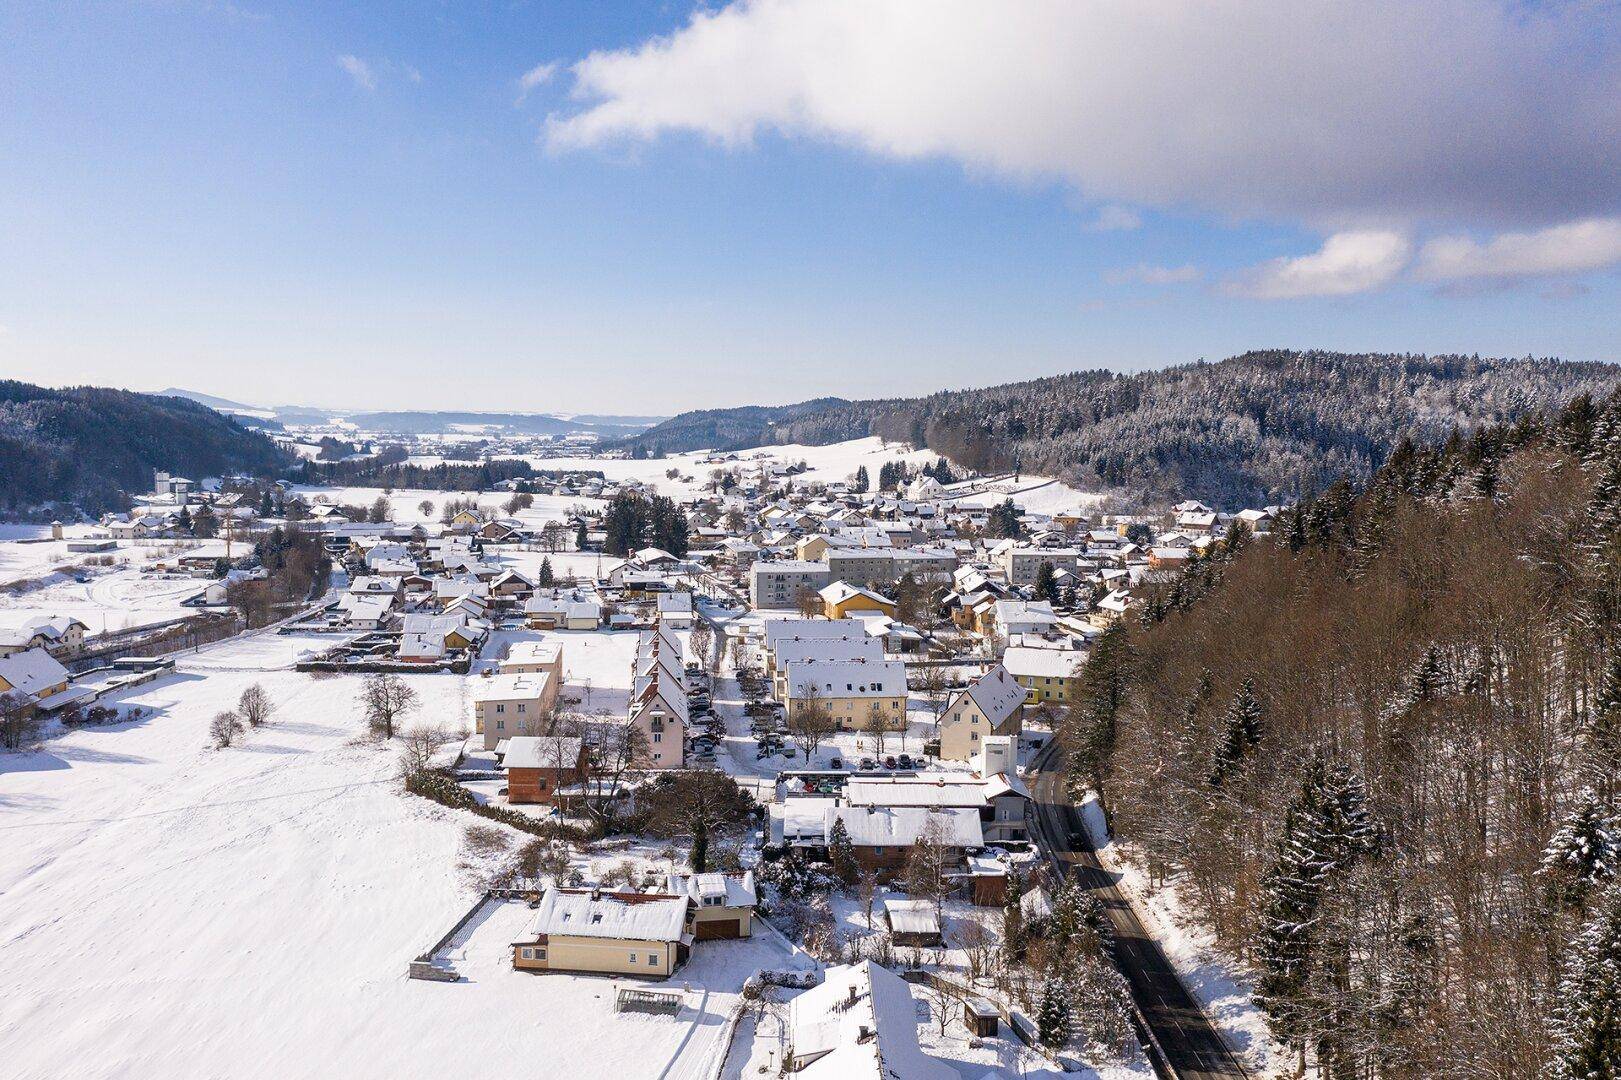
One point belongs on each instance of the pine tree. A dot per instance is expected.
(1584, 854)
(1055, 1016)
(184, 521)
(1601, 737)
(545, 575)
(581, 537)
(1013, 929)
(1586, 1026)
(1241, 733)
(1047, 583)
(841, 853)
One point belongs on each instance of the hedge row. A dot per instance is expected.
(444, 790)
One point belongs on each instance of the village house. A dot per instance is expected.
(1021, 565)
(532, 657)
(859, 695)
(37, 677)
(841, 600)
(725, 902)
(992, 704)
(60, 635)
(537, 766)
(1046, 674)
(883, 837)
(562, 609)
(505, 706)
(658, 699)
(859, 1024)
(608, 933)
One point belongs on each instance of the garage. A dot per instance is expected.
(716, 929)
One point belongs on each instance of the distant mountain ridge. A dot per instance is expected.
(1261, 427)
(92, 447)
(429, 421)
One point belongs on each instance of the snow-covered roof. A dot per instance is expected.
(996, 693)
(545, 653)
(527, 686)
(912, 916)
(1042, 663)
(903, 826)
(961, 790)
(841, 591)
(542, 752)
(590, 913)
(859, 645)
(32, 671)
(860, 1024)
(734, 889)
(846, 679)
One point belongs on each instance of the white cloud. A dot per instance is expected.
(1381, 113)
(1348, 262)
(1114, 218)
(1156, 275)
(539, 75)
(360, 71)
(1572, 248)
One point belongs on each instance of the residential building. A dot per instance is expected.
(779, 584)
(1046, 674)
(505, 706)
(859, 695)
(607, 933)
(992, 704)
(537, 766)
(1021, 565)
(725, 902)
(841, 600)
(36, 676)
(530, 657)
(859, 1024)
(883, 837)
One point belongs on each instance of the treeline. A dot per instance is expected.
(1254, 429)
(634, 521)
(1381, 752)
(90, 448)
(390, 469)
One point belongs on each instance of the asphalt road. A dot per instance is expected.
(1189, 1046)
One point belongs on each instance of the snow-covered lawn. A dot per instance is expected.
(176, 911)
(1220, 984)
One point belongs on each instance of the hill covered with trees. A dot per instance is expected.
(1253, 429)
(90, 447)
(1381, 755)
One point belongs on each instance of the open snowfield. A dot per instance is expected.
(173, 911)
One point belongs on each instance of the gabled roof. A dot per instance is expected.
(737, 888)
(860, 1024)
(542, 752)
(997, 694)
(32, 671)
(903, 826)
(594, 914)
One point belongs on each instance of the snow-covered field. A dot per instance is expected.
(171, 910)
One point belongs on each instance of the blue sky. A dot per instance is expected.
(349, 204)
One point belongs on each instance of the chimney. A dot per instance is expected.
(852, 1002)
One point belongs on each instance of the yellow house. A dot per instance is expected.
(608, 933)
(34, 674)
(811, 548)
(1046, 674)
(841, 600)
(858, 695)
(992, 704)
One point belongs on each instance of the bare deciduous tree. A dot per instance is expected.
(224, 728)
(255, 706)
(386, 699)
(19, 726)
(421, 745)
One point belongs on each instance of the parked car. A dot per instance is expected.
(836, 763)
(889, 762)
(905, 760)
(868, 763)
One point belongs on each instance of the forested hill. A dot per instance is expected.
(1381, 755)
(91, 447)
(1253, 429)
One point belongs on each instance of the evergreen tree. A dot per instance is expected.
(1583, 855)
(1004, 521)
(861, 482)
(267, 507)
(581, 537)
(545, 576)
(1047, 583)
(1601, 737)
(1013, 928)
(184, 520)
(1586, 1025)
(1055, 1016)
(841, 853)
(1241, 733)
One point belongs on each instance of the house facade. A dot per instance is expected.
(607, 933)
(992, 704)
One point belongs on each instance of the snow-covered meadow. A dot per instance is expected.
(172, 910)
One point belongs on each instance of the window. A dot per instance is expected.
(500, 708)
(540, 954)
(520, 706)
(658, 736)
(633, 958)
(500, 725)
(528, 954)
(652, 959)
